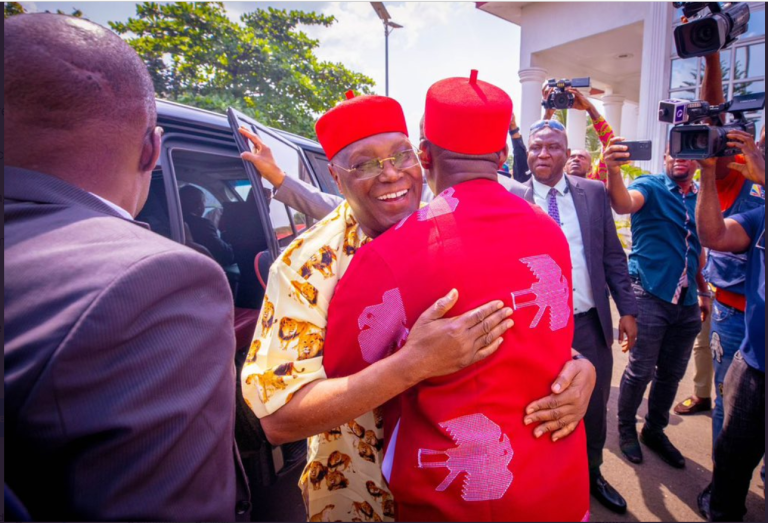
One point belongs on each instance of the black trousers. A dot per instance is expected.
(741, 444)
(590, 342)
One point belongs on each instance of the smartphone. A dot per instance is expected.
(639, 151)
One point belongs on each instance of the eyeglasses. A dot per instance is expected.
(552, 124)
(372, 168)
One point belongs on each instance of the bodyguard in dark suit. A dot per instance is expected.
(119, 344)
(582, 208)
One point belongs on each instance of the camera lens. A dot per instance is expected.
(561, 101)
(693, 143)
(704, 34)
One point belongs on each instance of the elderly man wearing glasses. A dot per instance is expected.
(284, 378)
(741, 443)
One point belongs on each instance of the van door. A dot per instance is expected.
(286, 223)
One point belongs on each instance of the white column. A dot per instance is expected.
(654, 81)
(577, 129)
(530, 113)
(629, 120)
(614, 105)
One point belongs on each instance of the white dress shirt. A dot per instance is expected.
(122, 212)
(583, 298)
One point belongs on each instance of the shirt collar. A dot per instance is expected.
(542, 191)
(674, 187)
(122, 212)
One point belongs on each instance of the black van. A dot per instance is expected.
(202, 149)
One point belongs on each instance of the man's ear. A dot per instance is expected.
(150, 151)
(567, 153)
(503, 156)
(336, 179)
(425, 156)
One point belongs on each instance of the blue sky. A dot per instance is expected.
(439, 40)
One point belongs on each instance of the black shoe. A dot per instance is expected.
(629, 445)
(704, 499)
(660, 444)
(603, 492)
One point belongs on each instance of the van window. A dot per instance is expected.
(155, 210)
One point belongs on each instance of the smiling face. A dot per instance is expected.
(547, 155)
(579, 164)
(382, 201)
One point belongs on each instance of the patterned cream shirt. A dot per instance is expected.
(343, 479)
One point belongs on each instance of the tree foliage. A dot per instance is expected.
(15, 8)
(12, 8)
(263, 65)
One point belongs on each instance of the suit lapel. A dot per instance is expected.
(529, 192)
(582, 211)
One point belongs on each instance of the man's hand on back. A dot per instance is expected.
(439, 346)
(562, 411)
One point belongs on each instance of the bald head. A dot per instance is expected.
(78, 100)
(579, 163)
(62, 72)
(444, 168)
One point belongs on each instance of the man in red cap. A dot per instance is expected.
(457, 447)
(284, 380)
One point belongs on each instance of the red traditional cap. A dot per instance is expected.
(357, 118)
(467, 116)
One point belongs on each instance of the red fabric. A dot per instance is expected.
(467, 116)
(358, 118)
(729, 188)
(483, 241)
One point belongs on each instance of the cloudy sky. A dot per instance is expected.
(439, 40)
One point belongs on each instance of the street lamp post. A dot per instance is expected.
(389, 26)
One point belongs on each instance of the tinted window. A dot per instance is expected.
(155, 211)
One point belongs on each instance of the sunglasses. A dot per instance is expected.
(552, 124)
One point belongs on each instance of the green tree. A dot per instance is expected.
(15, 8)
(263, 65)
(12, 8)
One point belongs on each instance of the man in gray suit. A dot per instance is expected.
(119, 344)
(583, 210)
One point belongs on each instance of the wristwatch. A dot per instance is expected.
(514, 131)
(709, 294)
(579, 357)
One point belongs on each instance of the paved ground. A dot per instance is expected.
(655, 491)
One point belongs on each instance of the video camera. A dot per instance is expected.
(692, 140)
(706, 34)
(560, 98)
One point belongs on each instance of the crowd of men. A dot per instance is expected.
(447, 358)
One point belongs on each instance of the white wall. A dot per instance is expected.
(550, 24)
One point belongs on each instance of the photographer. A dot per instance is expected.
(665, 266)
(741, 443)
(725, 272)
(580, 161)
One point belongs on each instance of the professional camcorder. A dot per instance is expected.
(706, 34)
(560, 98)
(691, 139)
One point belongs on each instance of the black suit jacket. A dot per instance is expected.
(204, 232)
(606, 259)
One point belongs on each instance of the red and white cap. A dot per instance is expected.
(467, 116)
